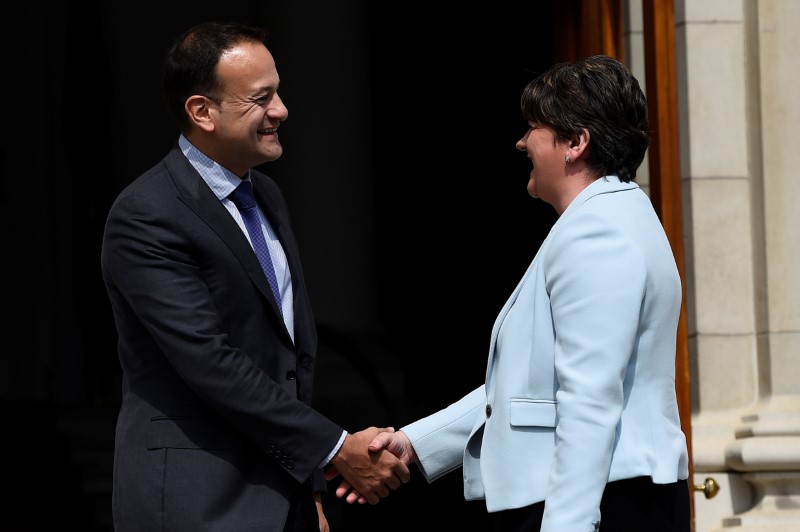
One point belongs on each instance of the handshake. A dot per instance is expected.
(368, 476)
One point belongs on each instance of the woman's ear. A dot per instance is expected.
(200, 112)
(578, 144)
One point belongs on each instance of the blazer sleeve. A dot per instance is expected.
(440, 438)
(595, 276)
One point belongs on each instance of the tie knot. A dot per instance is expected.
(242, 196)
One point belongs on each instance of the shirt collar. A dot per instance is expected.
(221, 180)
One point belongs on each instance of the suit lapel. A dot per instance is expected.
(196, 194)
(278, 218)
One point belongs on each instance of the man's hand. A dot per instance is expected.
(371, 473)
(396, 443)
(321, 518)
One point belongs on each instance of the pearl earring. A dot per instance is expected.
(567, 159)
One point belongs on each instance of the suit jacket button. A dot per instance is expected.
(488, 411)
(291, 375)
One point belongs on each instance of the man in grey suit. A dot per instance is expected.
(217, 339)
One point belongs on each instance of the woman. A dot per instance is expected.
(576, 427)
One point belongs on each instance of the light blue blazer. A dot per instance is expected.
(580, 381)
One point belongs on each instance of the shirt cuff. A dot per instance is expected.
(335, 449)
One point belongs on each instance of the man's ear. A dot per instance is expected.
(200, 113)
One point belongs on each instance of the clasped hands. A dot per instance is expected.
(371, 462)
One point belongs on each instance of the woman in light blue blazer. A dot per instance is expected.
(576, 427)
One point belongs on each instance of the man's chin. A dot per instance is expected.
(272, 154)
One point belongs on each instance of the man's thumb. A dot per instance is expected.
(331, 473)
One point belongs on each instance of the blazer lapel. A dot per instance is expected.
(506, 308)
(599, 186)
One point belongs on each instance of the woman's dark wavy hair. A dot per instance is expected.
(600, 94)
(190, 64)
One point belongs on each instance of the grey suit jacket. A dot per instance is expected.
(215, 430)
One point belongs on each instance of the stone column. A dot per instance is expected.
(767, 444)
(739, 148)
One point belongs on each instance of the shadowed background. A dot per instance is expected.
(407, 197)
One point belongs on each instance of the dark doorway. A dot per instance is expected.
(408, 199)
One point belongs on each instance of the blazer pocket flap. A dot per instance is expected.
(188, 433)
(532, 413)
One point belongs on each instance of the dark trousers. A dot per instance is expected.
(628, 505)
(302, 513)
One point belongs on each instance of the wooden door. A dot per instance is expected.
(665, 175)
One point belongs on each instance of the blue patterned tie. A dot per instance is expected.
(244, 200)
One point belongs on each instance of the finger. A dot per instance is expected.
(403, 472)
(331, 473)
(393, 482)
(381, 441)
(382, 490)
(343, 488)
(399, 470)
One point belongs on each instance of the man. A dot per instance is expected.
(216, 335)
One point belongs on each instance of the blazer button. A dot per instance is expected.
(488, 411)
(291, 375)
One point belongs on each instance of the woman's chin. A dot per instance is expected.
(532, 189)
